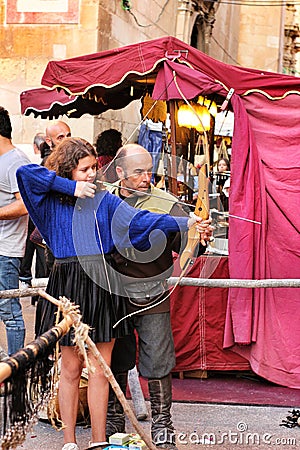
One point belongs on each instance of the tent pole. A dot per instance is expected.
(173, 179)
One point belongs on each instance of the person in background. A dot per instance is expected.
(107, 144)
(45, 152)
(145, 283)
(13, 231)
(222, 175)
(31, 247)
(56, 132)
(226, 187)
(66, 206)
(38, 140)
(223, 165)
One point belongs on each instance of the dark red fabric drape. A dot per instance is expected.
(198, 320)
(260, 323)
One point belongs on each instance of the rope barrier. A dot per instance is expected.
(41, 283)
(235, 283)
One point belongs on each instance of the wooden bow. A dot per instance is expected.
(201, 210)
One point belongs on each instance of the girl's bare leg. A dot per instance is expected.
(71, 367)
(98, 393)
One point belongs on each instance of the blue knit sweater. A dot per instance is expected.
(71, 230)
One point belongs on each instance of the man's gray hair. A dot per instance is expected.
(39, 139)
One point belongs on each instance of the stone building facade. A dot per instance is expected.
(291, 47)
(33, 32)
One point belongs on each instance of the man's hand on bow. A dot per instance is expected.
(203, 227)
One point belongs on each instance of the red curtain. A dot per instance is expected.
(261, 324)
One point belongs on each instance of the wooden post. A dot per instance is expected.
(173, 175)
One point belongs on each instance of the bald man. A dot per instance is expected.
(56, 132)
(145, 284)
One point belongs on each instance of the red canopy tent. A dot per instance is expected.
(54, 103)
(261, 324)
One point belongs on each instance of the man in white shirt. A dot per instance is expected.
(13, 232)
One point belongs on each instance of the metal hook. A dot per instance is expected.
(178, 54)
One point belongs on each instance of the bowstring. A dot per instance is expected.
(102, 252)
(180, 202)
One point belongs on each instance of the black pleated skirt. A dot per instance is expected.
(84, 281)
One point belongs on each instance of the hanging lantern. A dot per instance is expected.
(211, 106)
(203, 113)
(196, 117)
(201, 100)
(186, 117)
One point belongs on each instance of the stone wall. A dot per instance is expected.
(260, 37)
(224, 43)
(27, 46)
(247, 35)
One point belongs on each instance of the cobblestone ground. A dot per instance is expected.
(223, 426)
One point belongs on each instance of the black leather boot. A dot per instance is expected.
(115, 419)
(162, 430)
